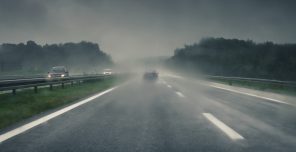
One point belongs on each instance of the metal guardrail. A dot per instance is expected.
(14, 77)
(263, 81)
(6, 85)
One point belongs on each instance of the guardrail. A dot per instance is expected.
(13, 85)
(14, 77)
(230, 80)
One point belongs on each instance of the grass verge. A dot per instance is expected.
(25, 104)
(274, 88)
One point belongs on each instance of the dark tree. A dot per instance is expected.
(31, 57)
(233, 57)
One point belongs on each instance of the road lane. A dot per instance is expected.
(140, 116)
(147, 116)
(267, 126)
(46, 118)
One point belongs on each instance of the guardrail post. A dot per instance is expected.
(63, 85)
(230, 83)
(72, 83)
(13, 91)
(35, 89)
(50, 87)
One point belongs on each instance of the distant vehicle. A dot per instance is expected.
(150, 75)
(58, 72)
(107, 72)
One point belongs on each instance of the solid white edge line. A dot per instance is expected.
(180, 94)
(249, 94)
(41, 120)
(227, 130)
(174, 76)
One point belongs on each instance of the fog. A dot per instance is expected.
(128, 29)
(148, 75)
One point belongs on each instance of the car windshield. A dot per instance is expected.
(58, 70)
(148, 75)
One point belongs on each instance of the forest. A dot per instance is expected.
(241, 58)
(32, 58)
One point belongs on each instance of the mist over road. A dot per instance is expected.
(172, 114)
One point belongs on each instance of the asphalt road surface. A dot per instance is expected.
(169, 115)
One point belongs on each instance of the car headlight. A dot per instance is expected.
(62, 75)
(49, 76)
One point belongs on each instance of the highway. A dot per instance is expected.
(171, 114)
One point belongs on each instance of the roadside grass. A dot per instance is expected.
(25, 104)
(274, 88)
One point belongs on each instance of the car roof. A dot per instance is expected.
(59, 67)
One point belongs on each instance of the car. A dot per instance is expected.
(107, 72)
(150, 75)
(58, 72)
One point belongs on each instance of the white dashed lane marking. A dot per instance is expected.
(180, 94)
(232, 134)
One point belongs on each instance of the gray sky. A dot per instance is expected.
(138, 28)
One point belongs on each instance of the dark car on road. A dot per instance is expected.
(150, 75)
(58, 72)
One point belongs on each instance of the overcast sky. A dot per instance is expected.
(138, 28)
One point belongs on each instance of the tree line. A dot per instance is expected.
(242, 58)
(31, 57)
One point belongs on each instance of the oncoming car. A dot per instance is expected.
(58, 72)
(107, 72)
